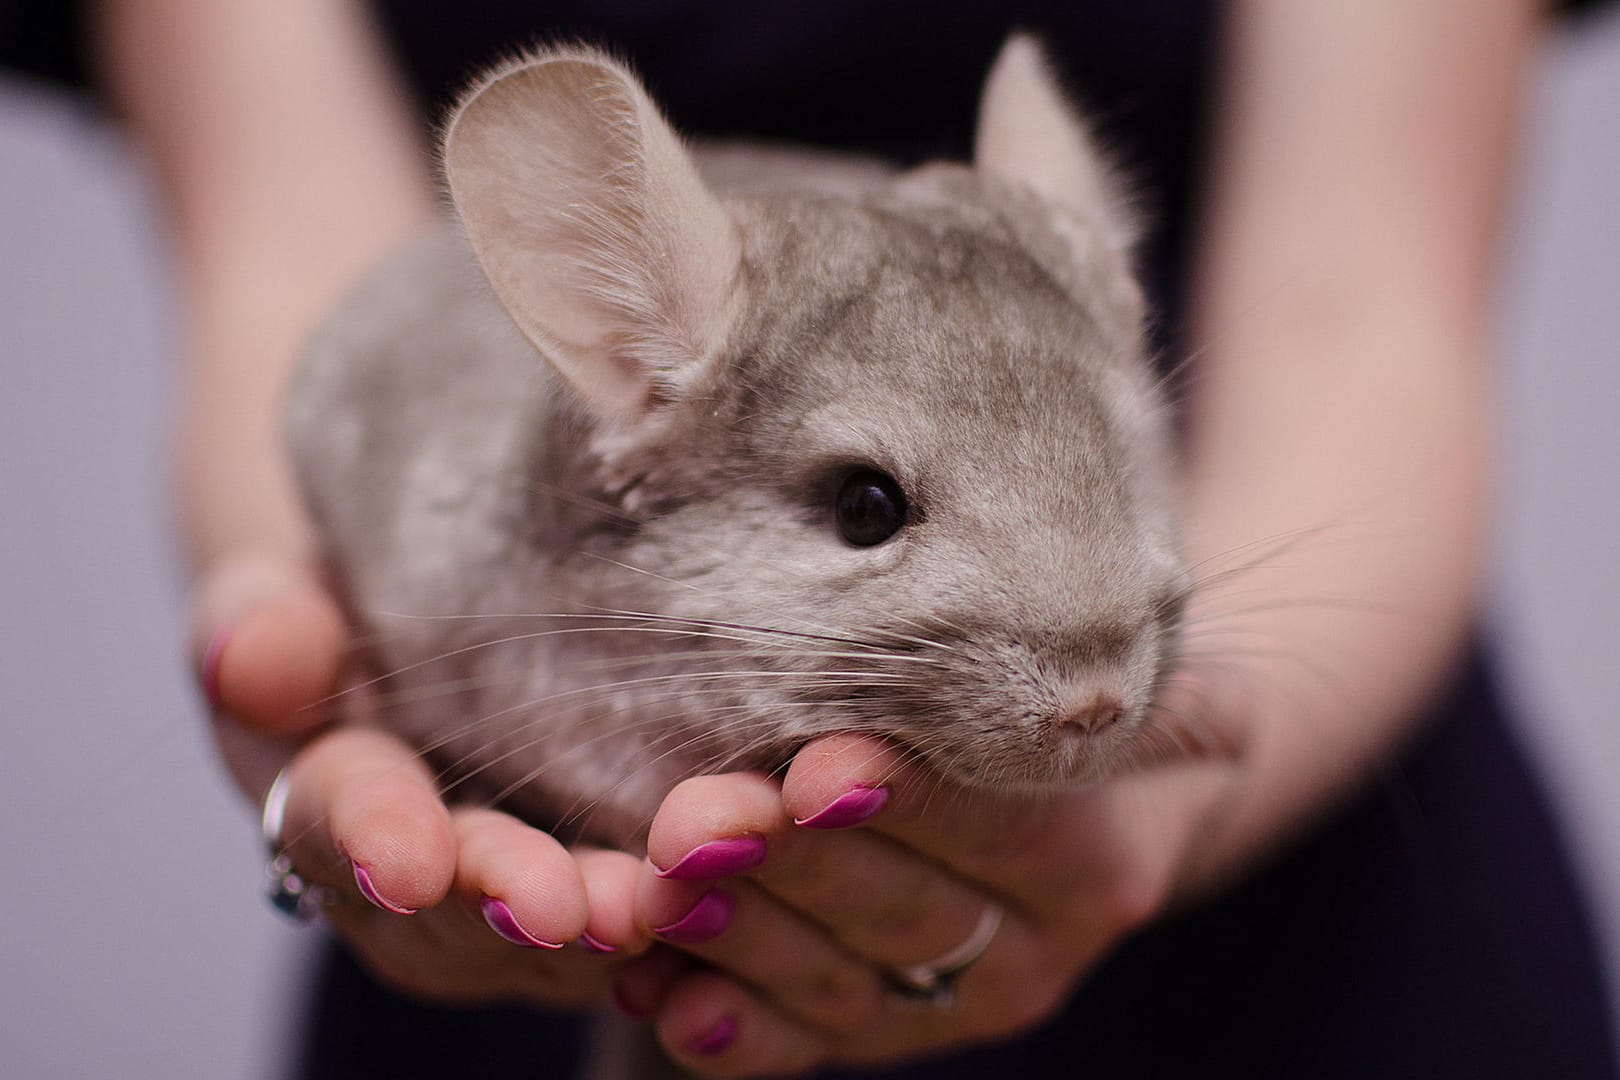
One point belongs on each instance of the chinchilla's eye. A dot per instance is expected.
(870, 508)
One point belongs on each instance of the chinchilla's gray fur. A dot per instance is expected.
(585, 584)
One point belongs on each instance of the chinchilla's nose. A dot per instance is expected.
(1089, 716)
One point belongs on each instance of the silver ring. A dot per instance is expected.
(287, 890)
(934, 983)
(275, 810)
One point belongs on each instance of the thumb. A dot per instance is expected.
(267, 641)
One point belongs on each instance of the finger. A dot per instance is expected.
(610, 888)
(523, 884)
(1041, 856)
(712, 827)
(363, 815)
(268, 642)
(962, 828)
(643, 983)
(717, 1026)
(877, 898)
(742, 930)
(714, 1027)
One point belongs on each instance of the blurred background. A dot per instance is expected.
(134, 941)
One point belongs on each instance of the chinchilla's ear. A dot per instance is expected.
(1029, 134)
(592, 226)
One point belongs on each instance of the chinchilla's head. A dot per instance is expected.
(898, 455)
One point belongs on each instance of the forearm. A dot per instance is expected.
(288, 162)
(1341, 413)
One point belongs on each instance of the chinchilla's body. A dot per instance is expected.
(647, 467)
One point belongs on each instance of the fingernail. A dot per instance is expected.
(627, 1005)
(210, 666)
(595, 945)
(369, 891)
(851, 808)
(708, 917)
(503, 922)
(717, 1038)
(718, 859)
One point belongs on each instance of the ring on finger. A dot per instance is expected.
(288, 891)
(934, 983)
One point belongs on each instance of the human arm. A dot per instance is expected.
(288, 163)
(286, 166)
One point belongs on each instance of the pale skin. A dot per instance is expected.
(1339, 402)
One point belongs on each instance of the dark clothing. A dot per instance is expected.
(1431, 929)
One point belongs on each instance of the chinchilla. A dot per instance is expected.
(658, 461)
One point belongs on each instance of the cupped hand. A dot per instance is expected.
(458, 904)
(805, 900)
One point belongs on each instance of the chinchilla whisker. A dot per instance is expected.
(618, 731)
(722, 654)
(1175, 374)
(1239, 654)
(582, 808)
(1309, 662)
(749, 751)
(614, 629)
(931, 643)
(1340, 604)
(822, 628)
(1226, 657)
(774, 631)
(770, 631)
(760, 721)
(537, 486)
(1190, 726)
(1273, 545)
(633, 620)
(606, 689)
(651, 723)
(426, 692)
(507, 640)
(1150, 750)
(466, 773)
(429, 691)
(644, 572)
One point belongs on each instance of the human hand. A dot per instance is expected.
(463, 904)
(800, 950)
(431, 899)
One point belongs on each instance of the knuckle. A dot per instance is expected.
(901, 910)
(837, 1001)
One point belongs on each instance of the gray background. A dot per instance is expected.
(133, 942)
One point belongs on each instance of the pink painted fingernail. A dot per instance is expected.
(363, 879)
(851, 808)
(210, 666)
(595, 945)
(718, 859)
(708, 917)
(503, 922)
(716, 1039)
